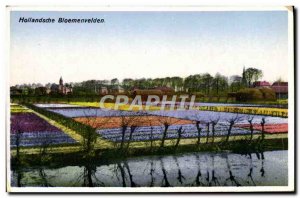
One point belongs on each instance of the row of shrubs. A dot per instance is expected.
(251, 94)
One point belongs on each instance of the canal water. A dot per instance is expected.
(192, 169)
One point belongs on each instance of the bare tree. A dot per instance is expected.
(45, 144)
(207, 131)
(214, 122)
(231, 122)
(133, 127)
(262, 123)
(127, 121)
(90, 136)
(250, 119)
(179, 136)
(151, 126)
(166, 122)
(199, 129)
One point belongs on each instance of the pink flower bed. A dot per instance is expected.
(269, 128)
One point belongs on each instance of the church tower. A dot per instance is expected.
(61, 82)
(61, 85)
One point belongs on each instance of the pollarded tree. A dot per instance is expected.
(250, 119)
(179, 131)
(198, 120)
(232, 121)
(262, 123)
(214, 122)
(166, 122)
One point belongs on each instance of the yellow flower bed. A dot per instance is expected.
(248, 110)
(15, 108)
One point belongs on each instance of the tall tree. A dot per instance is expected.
(114, 81)
(207, 78)
(252, 75)
(220, 83)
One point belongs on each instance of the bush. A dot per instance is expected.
(231, 94)
(198, 94)
(268, 94)
(250, 94)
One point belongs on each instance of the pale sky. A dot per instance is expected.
(148, 44)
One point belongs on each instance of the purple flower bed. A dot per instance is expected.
(41, 138)
(35, 131)
(30, 122)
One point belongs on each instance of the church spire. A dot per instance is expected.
(61, 82)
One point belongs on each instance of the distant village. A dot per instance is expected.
(200, 84)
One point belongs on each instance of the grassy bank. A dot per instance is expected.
(107, 156)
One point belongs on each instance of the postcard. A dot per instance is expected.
(150, 99)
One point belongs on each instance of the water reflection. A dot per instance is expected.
(195, 169)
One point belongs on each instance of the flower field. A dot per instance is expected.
(248, 110)
(149, 125)
(155, 132)
(269, 128)
(92, 112)
(116, 122)
(35, 131)
(207, 116)
(15, 108)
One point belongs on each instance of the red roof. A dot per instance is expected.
(280, 87)
(280, 84)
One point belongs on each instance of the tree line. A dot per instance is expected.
(204, 84)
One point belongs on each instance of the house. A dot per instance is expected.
(235, 79)
(165, 90)
(61, 88)
(103, 91)
(117, 89)
(261, 84)
(144, 93)
(280, 89)
(64, 89)
(15, 91)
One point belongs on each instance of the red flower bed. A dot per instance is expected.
(115, 122)
(269, 128)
